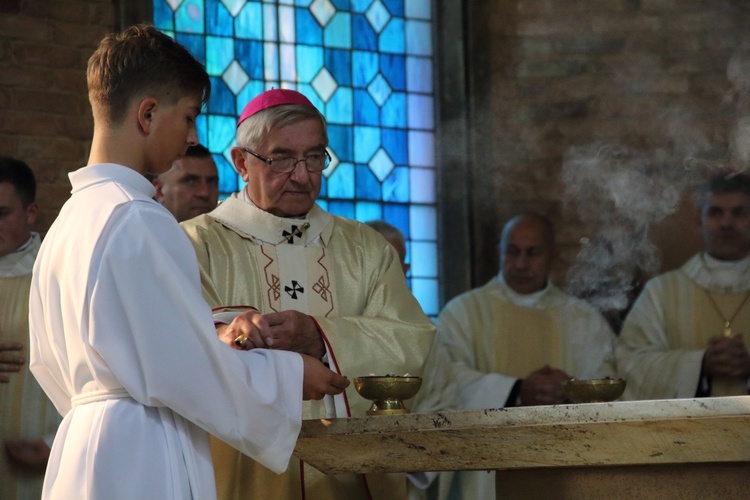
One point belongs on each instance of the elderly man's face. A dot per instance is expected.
(725, 223)
(290, 194)
(15, 220)
(526, 256)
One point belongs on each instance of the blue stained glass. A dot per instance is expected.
(222, 99)
(269, 23)
(341, 182)
(420, 9)
(366, 38)
(249, 22)
(368, 211)
(396, 186)
(419, 75)
(323, 189)
(395, 7)
(423, 221)
(233, 6)
(393, 68)
(421, 114)
(286, 24)
(339, 62)
(426, 265)
(366, 142)
(227, 175)
(342, 208)
(418, 38)
(381, 164)
(222, 53)
(394, 142)
(366, 112)
(271, 59)
(341, 4)
(308, 30)
(189, 17)
(200, 125)
(288, 62)
(392, 37)
(252, 89)
(421, 149)
(195, 44)
(340, 141)
(218, 19)
(360, 5)
(426, 293)
(163, 15)
(309, 62)
(367, 185)
(398, 215)
(364, 68)
(422, 185)
(323, 204)
(338, 32)
(303, 3)
(250, 55)
(310, 93)
(392, 114)
(220, 133)
(339, 109)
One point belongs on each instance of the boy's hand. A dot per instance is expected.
(319, 380)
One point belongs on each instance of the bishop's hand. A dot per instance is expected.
(247, 331)
(294, 331)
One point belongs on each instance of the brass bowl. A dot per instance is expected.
(387, 393)
(594, 391)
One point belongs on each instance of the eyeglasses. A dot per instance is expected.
(313, 163)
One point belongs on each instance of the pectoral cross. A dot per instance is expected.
(727, 330)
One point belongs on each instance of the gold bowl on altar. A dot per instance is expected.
(594, 391)
(387, 392)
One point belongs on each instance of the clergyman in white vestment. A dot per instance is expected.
(685, 335)
(511, 342)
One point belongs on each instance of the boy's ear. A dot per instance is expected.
(145, 114)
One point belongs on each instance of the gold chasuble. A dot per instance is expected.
(661, 346)
(348, 278)
(25, 411)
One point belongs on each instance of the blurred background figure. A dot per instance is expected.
(395, 237)
(191, 187)
(28, 419)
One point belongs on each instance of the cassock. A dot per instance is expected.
(661, 345)
(125, 346)
(494, 336)
(348, 278)
(25, 411)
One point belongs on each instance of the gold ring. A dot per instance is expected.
(241, 341)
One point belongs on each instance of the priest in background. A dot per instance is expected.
(326, 286)
(28, 419)
(511, 343)
(684, 336)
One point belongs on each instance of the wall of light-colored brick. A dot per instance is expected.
(44, 112)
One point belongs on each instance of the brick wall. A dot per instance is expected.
(44, 112)
(570, 99)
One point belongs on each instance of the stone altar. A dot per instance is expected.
(684, 448)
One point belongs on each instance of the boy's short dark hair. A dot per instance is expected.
(17, 172)
(138, 61)
(721, 182)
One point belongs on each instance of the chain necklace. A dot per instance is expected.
(727, 332)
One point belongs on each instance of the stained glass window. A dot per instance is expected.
(367, 65)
